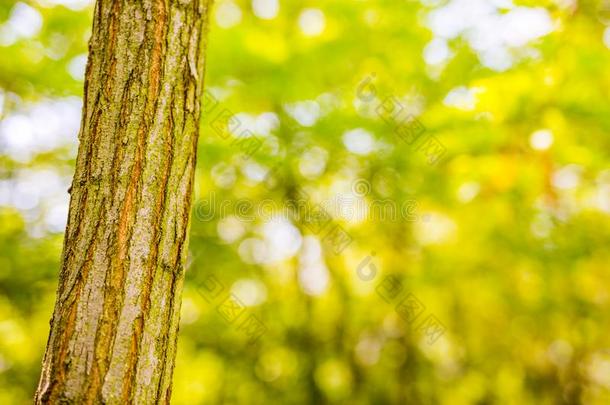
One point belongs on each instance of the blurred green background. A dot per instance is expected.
(507, 238)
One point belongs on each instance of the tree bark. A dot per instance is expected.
(115, 323)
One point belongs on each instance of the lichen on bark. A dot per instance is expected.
(115, 322)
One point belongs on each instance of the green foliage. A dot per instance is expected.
(506, 243)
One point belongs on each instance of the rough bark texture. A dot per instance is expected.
(115, 322)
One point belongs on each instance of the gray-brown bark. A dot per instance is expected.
(115, 323)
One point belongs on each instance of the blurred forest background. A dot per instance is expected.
(504, 248)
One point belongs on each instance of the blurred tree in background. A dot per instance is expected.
(498, 231)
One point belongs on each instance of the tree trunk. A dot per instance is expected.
(115, 323)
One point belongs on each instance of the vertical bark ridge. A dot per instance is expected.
(115, 322)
